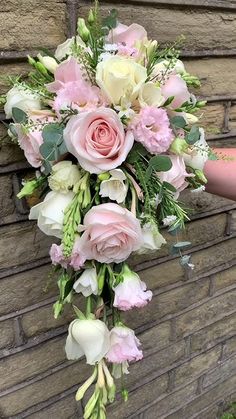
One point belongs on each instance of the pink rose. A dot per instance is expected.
(131, 292)
(30, 144)
(67, 72)
(57, 257)
(98, 140)
(127, 35)
(151, 127)
(111, 234)
(123, 346)
(177, 87)
(176, 175)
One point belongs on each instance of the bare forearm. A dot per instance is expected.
(221, 174)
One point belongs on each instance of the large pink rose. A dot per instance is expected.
(111, 234)
(98, 140)
(177, 87)
(127, 35)
(176, 175)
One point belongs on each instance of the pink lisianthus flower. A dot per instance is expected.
(177, 87)
(67, 72)
(131, 292)
(77, 259)
(57, 257)
(123, 346)
(176, 175)
(152, 128)
(127, 35)
(127, 51)
(111, 234)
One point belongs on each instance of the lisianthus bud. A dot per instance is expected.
(178, 146)
(82, 29)
(191, 119)
(201, 176)
(91, 17)
(28, 188)
(49, 63)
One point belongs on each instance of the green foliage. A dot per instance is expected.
(110, 21)
(19, 116)
(158, 164)
(178, 122)
(138, 152)
(53, 144)
(193, 136)
(65, 285)
(230, 413)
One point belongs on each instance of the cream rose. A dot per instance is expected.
(50, 213)
(120, 78)
(64, 176)
(98, 140)
(21, 98)
(150, 95)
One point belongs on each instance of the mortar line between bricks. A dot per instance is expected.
(28, 309)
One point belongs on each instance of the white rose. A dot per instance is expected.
(87, 337)
(64, 49)
(152, 239)
(199, 154)
(87, 283)
(120, 78)
(64, 176)
(50, 212)
(114, 188)
(150, 95)
(49, 63)
(21, 98)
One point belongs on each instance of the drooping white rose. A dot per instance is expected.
(150, 95)
(87, 283)
(87, 337)
(199, 155)
(114, 188)
(120, 78)
(50, 212)
(21, 98)
(64, 49)
(152, 239)
(49, 62)
(64, 176)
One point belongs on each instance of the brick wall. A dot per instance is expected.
(189, 330)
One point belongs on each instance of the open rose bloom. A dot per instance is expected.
(109, 125)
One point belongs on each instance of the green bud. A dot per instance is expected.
(40, 67)
(111, 393)
(91, 17)
(57, 309)
(125, 394)
(200, 175)
(91, 404)
(201, 103)
(104, 176)
(81, 391)
(82, 29)
(28, 188)
(31, 60)
(178, 146)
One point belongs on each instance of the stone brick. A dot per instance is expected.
(201, 203)
(39, 26)
(211, 118)
(170, 403)
(218, 26)
(223, 371)
(156, 338)
(212, 81)
(24, 242)
(213, 334)
(138, 398)
(12, 70)
(215, 396)
(30, 362)
(7, 334)
(9, 153)
(207, 313)
(223, 143)
(41, 390)
(27, 288)
(7, 206)
(65, 408)
(230, 347)
(232, 117)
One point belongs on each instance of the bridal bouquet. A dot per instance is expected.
(108, 122)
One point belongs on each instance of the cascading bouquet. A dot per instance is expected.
(108, 122)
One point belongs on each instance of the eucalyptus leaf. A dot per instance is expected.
(19, 116)
(136, 153)
(53, 144)
(181, 245)
(178, 122)
(194, 135)
(158, 164)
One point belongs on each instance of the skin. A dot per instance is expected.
(221, 174)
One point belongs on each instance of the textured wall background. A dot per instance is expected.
(189, 330)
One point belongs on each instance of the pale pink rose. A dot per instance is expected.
(67, 72)
(151, 127)
(111, 234)
(127, 35)
(177, 87)
(57, 257)
(176, 175)
(131, 292)
(30, 144)
(77, 259)
(123, 346)
(98, 140)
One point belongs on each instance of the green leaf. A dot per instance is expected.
(19, 116)
(53, 133)
(53, 144)
(180, 245)
(169, 101)
(111, 20)
(193, 136)
(178, 122)
(136, 153)
(168, 186)
(158, 164)
(57, 309)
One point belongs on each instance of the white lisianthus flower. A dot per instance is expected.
(49, 63)
(50, 212)
(87, 283)
(150, 95)
(152, 239)
(114, 188)
(199, 154)
(120, 78)
(164, 66)
(64, 176)
(21, 98)
(64, 49)
(87, 337)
